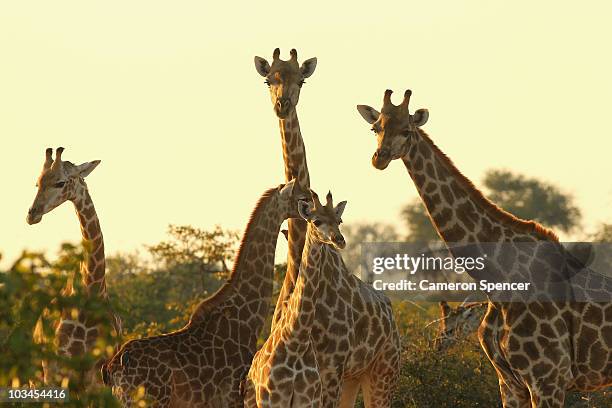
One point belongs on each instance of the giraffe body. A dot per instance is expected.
(203, 364)
(355, 336)
(539, 349)
(75, 333)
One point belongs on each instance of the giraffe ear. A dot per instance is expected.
(308, 67)
(84, 169)
(420, 117)
(368, 113)
(340, 209)
(305, 209)
(262, 66)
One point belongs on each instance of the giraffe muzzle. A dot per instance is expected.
(34, 216)
(381, 159)
(282, 107)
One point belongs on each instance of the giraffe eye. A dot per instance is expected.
(267, 82)
(302, 82)
(317, 223)
(59, 184)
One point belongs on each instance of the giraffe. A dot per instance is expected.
(285, 80)
(203, 364)
(354, 325)
(285, 372)
(539, 349)
(354, 335)
(62, 181)
(458, 323)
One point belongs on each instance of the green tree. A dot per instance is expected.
(31, 291)
(602, 234)
(533, 199)
(420, 228)
(358, 233)
(158, 296)
(206, 251)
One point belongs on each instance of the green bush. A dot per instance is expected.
(31, 293)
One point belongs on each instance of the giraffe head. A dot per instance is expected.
(457, 323)
(324, 220)
(285, 79)
(395, 128)
(58, 182)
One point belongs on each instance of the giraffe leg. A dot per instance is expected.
(513, 397)
(248, 390)
(374, 393)
(332, 382)
(378, 385)
(350, 389)
(50, 373)
(380, 381)
(514, 394)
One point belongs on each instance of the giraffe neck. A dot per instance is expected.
(94, 266)
(462, 215)
(294, 151)
(302, 303)
(458, 210)
(250, 284)
(294, 157)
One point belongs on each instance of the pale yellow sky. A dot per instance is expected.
(166, 95)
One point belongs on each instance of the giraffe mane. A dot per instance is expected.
(501, 215)
(227, 289)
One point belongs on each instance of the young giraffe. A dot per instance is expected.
(285, 372)
(203, 364)
(285, 80)
(62, 181)
(458, 323)
(540, 349)
(356, 338)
